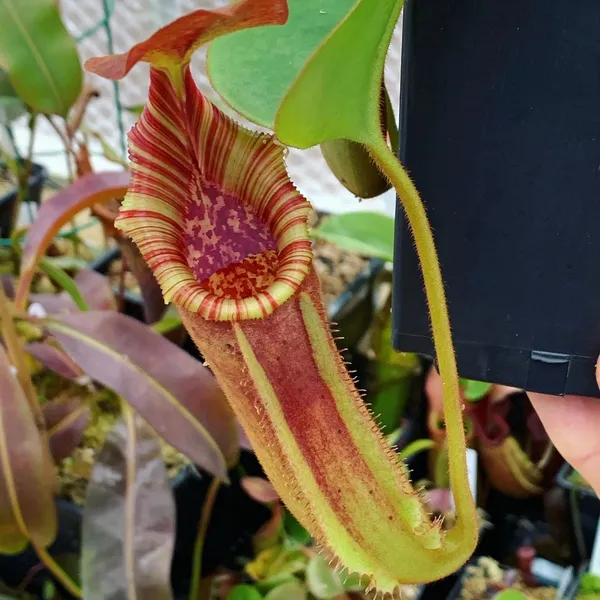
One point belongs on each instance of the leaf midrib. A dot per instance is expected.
(69, 331)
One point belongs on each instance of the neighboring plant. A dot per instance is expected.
(510, 594)
(174, 396)
(486, 578)
(577, 478)
(288, 565)
(213, 212)
(508, 467)
(589, 588)
(33, 39)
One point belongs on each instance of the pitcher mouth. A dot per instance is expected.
(212, 209)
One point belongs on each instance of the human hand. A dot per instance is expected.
(571, 422)
(573, 425)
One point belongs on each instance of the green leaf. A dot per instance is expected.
(252, 69)
(367, 233)
(136, 110)
(416, 447)
(291, 590)
(244, 592)
(352, 581)
(287, 563)
(337, 94)
(107, 150)
(64, 281)
(510, 595)
(49, 590)
(11, 106)
(590, 584)
(169, 321)
(474, 390)
(266, 585)
(68, 263)
(39, 55)
(322, 581)
(294, 530)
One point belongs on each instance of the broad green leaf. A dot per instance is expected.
(129, 519)
(244, 592)
(337, 93)
(252, 69)
(474, 390)
(291, 590)
(367, 233)
(322, 581)
(173, 392)
(39, 55)
(57, 212)
(27, 510)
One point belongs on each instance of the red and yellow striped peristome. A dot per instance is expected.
(212, 209)
(216, 217)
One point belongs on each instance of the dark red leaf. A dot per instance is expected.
(259, 489)
(27, 510)
(66, 420)
(54, 359)
(177, 396)
(59, 210)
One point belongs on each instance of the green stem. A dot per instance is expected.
(202, 528)
(442, 338)
(58, 572)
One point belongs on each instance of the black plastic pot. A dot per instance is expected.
(500, 131)
(584, 508)
(235, 519)
(8, 201)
